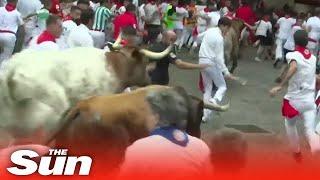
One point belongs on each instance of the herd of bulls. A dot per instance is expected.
(75, 99)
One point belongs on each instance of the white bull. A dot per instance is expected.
(36, 88)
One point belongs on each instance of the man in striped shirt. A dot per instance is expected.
(101, 19)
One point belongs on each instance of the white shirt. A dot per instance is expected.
(214, 18)
(212, 48)
(155, 155)
(80, 37)
(263, 27)
(314, 24)
(44, 46)
(302, 84)
(27, 7)
(201, 18)
(181, 13)
(290, 45)
(10, 21)
(224, 11)
(152, 14)
(285, 25)
(141, 14)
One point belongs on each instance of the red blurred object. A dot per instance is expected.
(55, 8)
(288, 111)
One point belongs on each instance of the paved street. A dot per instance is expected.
(250, 105)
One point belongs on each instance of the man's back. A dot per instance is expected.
(157, 156)
(212, 43)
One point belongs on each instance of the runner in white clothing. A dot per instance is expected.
(284, 24)
(80, 36)
(299, 101)
(212, 52)
(313, 27)
(10, 20)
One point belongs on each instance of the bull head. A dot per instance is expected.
(145, 52)
(129, 64)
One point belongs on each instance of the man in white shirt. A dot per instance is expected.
(47, 40)
(212, 52)
(10, 20)
(27, 7)
(169, 152)
(313, 27)
(284, 24)
(299, 100)
(181, 13)
(152, 21)
(264, 27)
(80, 36)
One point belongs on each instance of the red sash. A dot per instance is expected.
(288, 111)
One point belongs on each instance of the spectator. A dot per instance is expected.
(83, 4)
(160, 74)
(127, 19)
(313, 27)
(284, 25)
(80, 36)
(47, 39)
(55, 8)
(10, 20)
(102, 18)
(246, 13)
(229, 150)
(42, 16)
(263, 33)
(152, 21)
(148, 157)
(181, 14)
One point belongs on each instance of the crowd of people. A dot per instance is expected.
(43, 25)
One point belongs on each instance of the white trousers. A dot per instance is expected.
(307, 111)
(99, 39)
(187, 32)
(7, 43)
(279, 48)
(210, 75)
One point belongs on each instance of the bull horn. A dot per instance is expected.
(221, 108)
(156, 55)
(117, 44)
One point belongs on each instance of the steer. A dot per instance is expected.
(37, 87)
(106, 124)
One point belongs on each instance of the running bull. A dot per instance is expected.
(37, 87)
(106, 125)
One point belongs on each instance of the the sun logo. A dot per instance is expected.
(63, 165)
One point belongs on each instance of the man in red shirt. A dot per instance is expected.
(246, 13)
(55, 8)
(127, 19)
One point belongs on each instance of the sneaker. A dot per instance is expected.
(298, 157)
(257, 59)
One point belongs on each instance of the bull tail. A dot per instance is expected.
(66, 118)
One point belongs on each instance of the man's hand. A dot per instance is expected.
(231, 77)
(275, 90)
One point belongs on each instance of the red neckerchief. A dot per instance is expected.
(67, 17)
(304, 51)
(10, 7)
(207, 10)
(287, 16)
(118, 5)
(46, 36)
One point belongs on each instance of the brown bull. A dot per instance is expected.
(232, 43)
(108, 124)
